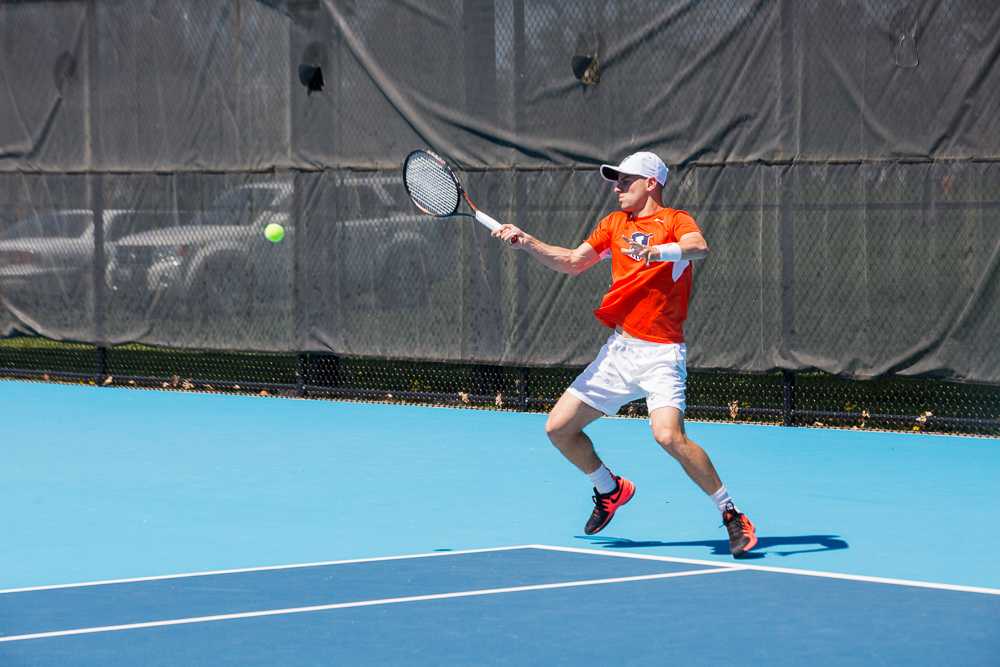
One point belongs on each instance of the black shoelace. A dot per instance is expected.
(598, 505)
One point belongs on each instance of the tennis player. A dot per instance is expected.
(651, 248)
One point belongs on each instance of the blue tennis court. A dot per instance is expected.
(521, 605)
(180, 528)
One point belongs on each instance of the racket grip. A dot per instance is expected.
(490, 224)
(487, 221)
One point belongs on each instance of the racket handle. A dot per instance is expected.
(490, 224)
(487, 222)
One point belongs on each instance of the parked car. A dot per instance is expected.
(47, 267)
(211, 273)
(386, 253)
(176, 268)
(218, 260)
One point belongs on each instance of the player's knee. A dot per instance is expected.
(671, 440)
(558, 431)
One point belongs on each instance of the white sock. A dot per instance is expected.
(602, 480)
(723, 501)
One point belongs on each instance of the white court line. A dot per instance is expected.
(363, 603)
(779, 570)
(265, 568)
(544, 547)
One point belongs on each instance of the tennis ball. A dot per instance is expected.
(274, 232)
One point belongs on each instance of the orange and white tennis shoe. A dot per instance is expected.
(606, 504)
(742, 534)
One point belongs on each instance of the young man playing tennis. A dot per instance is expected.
(651, 247)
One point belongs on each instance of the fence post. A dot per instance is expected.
(99, 276)
(788, 398)
(302, 375)
(96, 185)
(299, 310)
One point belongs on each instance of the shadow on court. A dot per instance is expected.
(721, 547)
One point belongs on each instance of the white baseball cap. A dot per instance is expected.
(642, 163)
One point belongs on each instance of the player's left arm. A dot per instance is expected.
(691, 245)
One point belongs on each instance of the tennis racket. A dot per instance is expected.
(435, 189)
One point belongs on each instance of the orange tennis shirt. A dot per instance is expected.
(648, 301)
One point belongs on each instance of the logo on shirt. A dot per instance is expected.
(641, 239)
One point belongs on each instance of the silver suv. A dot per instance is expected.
(47, 266)
(376, 249)
(172, 272)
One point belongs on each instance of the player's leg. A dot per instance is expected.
(670, 434)
(601, 389)
(664, 378)
(565, 429)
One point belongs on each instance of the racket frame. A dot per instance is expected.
(485, 220)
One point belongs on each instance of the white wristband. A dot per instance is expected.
(667, 252)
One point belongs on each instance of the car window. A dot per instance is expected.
(125, 223)
(234, 200)
(241, 205)
(274, 199)
(69, 224)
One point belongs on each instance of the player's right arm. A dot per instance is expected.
(564, 260)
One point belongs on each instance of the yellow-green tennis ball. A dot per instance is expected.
(274, 232)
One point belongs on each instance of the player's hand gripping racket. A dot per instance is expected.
(434, 188)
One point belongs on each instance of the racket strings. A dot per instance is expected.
(431, 186)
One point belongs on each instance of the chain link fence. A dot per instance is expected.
(841, 157)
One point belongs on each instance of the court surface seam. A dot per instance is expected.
(364, 603)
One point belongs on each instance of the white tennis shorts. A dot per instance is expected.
(629, 368)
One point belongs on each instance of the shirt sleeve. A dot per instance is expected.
(600, 238)
(684, 224)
